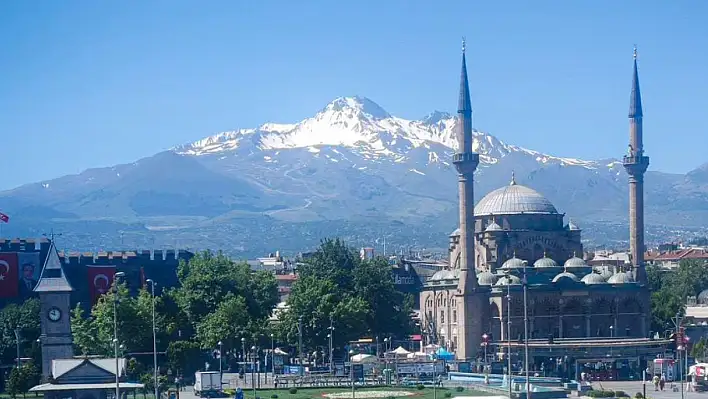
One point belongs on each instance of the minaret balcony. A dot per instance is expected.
(466, 157)
(635, 160)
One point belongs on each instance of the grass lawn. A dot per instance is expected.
(317, 393)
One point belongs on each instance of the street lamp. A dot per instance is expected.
(329, 337)
(485, 339)
(435, 376)
(351, 370)
(508, 327)
(386, 355)
(253, 359)
(243, 356)
(526, 335)
(154, 335)
(17, 339)
(272, 357)
(221, 363)
(116, 276)
(331, 344)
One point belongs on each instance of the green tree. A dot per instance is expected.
(359, 297)
(670, 290)
(222, 300)
(24, 316)
(184, 357)
(22, 379)
(94, 335)
(698, 351)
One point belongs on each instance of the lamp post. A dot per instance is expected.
(253, 359)
(526, 335)
(116, 276)
(435, 376)
(508, 328)
(154, 336)
(386, 355)
(299, 344)
(485, 339)
(351, 370)
(17, 339)
(331, 346)
(243, 356)
(221, 363)
(272, 357)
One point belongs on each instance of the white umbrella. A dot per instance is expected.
(400, 351)
(363, 358)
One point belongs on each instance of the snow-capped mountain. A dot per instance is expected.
(361, 124)
(351, 170)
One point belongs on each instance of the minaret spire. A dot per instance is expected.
(474, 301)
(636, 164)
(464, 107)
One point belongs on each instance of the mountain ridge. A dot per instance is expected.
(352, 163)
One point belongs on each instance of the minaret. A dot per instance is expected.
(466, 162)
(636, 164)
(474, 302)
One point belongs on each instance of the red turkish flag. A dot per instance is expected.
(4, 218)
(100, 279)
(8, 275)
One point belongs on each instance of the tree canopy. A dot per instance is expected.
(670, 289)
(24, 316)
(358, 297)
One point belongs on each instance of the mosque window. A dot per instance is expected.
(442, 317)
(454, 316)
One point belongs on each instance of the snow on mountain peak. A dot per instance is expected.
(362, 125)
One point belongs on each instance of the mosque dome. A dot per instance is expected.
(504, 280)
(565, 275)
(486, 278)
(545, 262)
(593, 278)
(606, 273)
(703, 297)
(455, 233)
(514, 199)
(575, 262)
(620, 278)
(442, 275)
(514, 263)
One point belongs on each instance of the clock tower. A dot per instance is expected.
(55, 303)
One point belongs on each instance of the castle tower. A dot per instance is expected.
(55, 319)
(473, 301)
(636, 164)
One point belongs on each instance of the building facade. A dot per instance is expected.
(515, 240)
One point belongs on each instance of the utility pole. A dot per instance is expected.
(526, 335)
(17, 339)
(679, 347)
(299, 331)
(331, 348)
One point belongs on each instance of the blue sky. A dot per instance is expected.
(87, 83)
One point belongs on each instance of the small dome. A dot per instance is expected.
(572, 226)
(565, 275)
(455, 233)
(606, 273)
(575, 262)
(504, 280)
(493, 227)
(593, 278)
(486, 278)
(703, 297)
(545, 262)
(514, 263)
(620, 278)
(445, 275)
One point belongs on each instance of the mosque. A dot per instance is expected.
(517, 279)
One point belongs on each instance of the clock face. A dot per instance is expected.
(54, 314)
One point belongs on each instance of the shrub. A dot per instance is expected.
(448, 394)
(638, 395)
(420, 387)
(606, 394)
(274, 396)
(621, 394)
(459, 389)
(292, 391)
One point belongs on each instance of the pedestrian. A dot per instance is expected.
(662, 382)
(177, 383)
(655, 381)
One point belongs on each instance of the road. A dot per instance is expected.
(632, 387)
